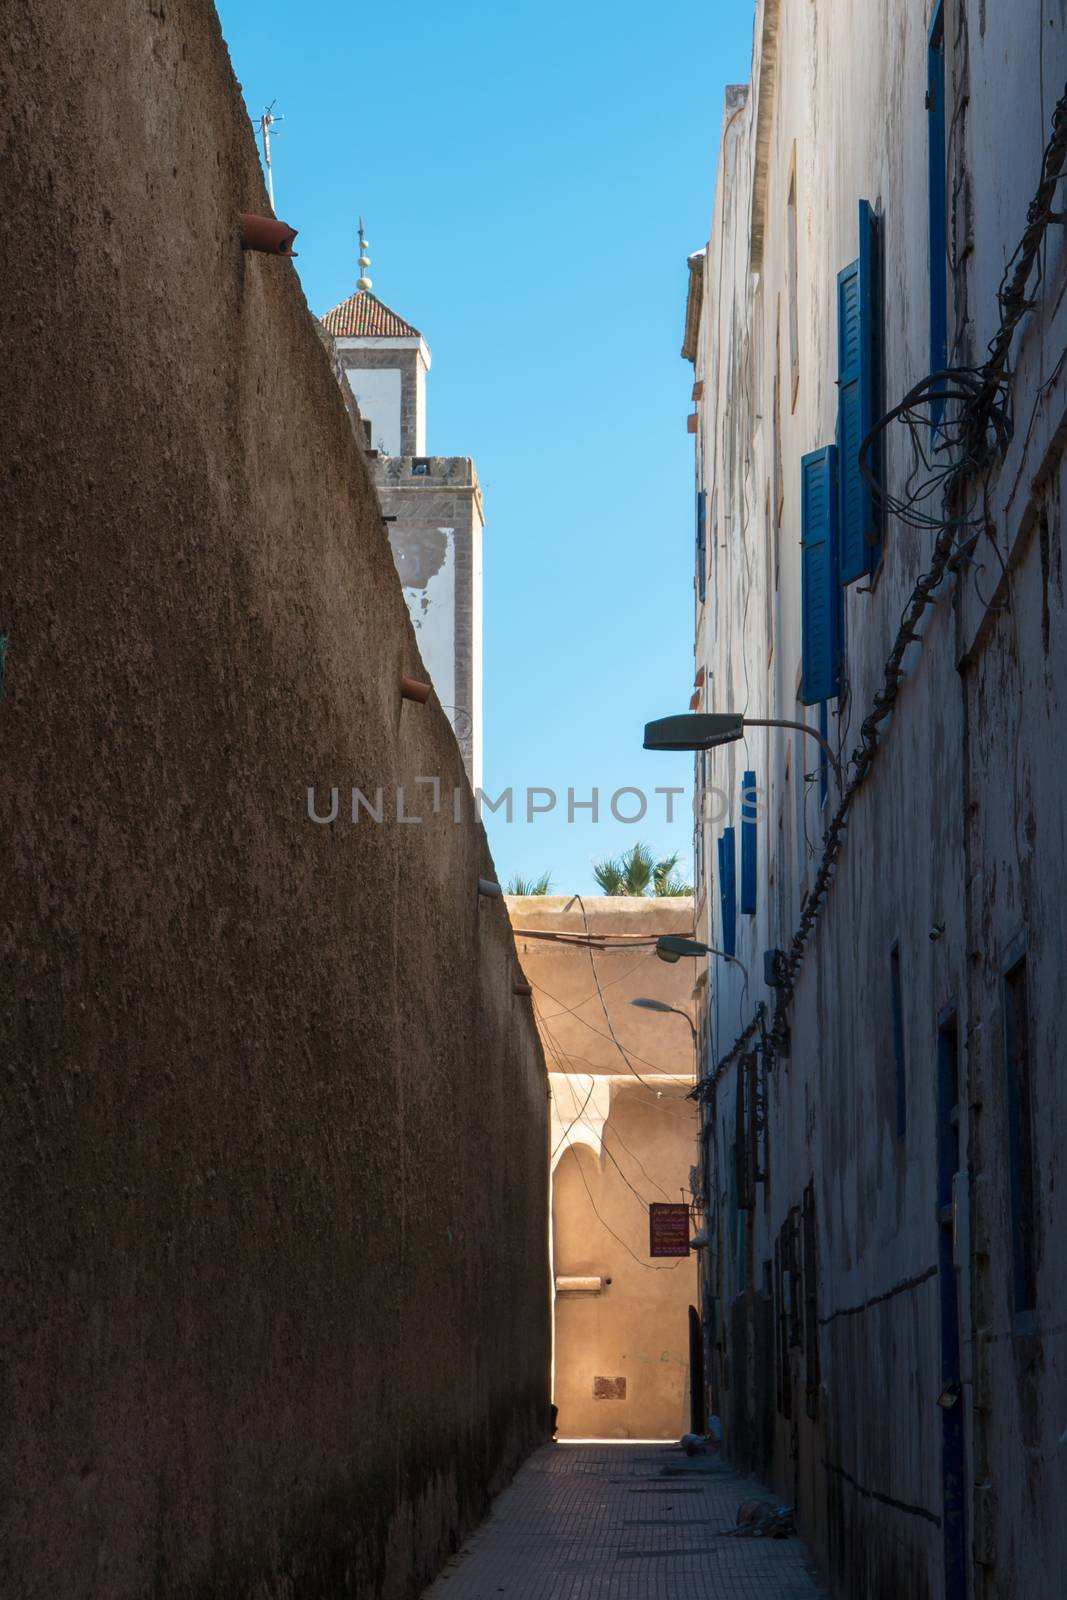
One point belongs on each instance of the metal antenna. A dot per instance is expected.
(266, 123)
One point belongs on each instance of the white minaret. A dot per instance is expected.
(386, 360)
(435, 500)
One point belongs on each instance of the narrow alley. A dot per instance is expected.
(640, 1179)
(637, 1521)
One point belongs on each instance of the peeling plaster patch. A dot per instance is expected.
(420, 554)
(426, 562)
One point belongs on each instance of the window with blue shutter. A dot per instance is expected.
(701, 544)
(859, 355)
(748, 843)
(820, 591)
(728, 890)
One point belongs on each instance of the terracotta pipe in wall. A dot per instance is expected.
(412, 689)
(266, 234)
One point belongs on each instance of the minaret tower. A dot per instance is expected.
(435, 500)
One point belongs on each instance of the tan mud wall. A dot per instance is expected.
(273, 1166)
(621, 1358)
(622, 1355)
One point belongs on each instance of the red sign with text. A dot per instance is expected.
(668, 1229)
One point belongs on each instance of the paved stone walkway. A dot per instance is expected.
(624, 1522)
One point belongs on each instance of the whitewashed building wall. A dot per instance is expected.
(827, 1370)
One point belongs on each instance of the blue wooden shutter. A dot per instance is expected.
(850, 422)
(748, 843)
(701, 544)
(936, 192)
(728, 890)
(819, 589)
(859, 341)
(872, 343)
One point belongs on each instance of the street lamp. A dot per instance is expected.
(671, 947)
(705, 730)
(661, 1005)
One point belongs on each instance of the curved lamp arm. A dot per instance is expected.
(801, 727)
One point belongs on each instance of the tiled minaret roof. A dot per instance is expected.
(364, 316)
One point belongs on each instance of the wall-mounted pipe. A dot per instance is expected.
(266, 234)
(412, 689)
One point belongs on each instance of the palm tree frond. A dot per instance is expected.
(637, 872)
(520, 886)
(610, 876)
(675, 886)
(661, 874)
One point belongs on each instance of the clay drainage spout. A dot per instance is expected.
(266, 234)
(412, 689)
(521, 988)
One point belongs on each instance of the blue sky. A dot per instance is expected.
(532, 178)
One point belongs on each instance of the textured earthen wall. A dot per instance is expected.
(273, 1287)
(624, 1135)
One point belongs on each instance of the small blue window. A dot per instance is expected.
(820, 591)
(896, 1001)
(1022, 1169)
(935, 136)
(728, 890)
(701, 545)
(748, 843)
(859, 360)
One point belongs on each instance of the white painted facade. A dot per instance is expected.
(377, 392)
(828, 1290)
(379, 389)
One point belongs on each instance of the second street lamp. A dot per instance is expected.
(661, 1005)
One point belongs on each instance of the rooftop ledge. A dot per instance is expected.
(427, 471)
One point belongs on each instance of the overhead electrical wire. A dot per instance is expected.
(617, 1237)
(559, 1054)
(635, 1192)
(605, 1128)
(568, 1011)
(660, 1101)
(635, 1159)
(604, 1008)
(601, 1035)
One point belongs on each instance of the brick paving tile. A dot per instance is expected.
(624, 1522)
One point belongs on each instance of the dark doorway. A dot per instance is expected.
(697, 1423)
(951, 1398)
